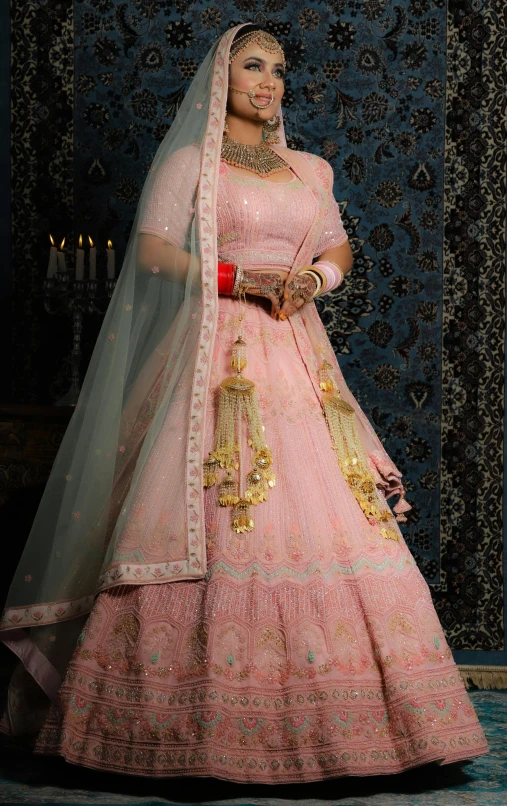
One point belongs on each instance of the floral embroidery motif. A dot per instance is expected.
(297, 544)
(309, 643)
(237, 547)
(80, 704)
(159, 642)
(272, 658)
(347, 647)
(269, 550)
(123, 639)
(230, 643)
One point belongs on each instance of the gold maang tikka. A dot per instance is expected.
(265, 41)
(238, 407)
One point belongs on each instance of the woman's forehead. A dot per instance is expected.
(255, 50)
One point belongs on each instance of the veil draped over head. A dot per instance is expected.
(150, 370)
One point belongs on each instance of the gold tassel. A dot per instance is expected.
(242, 521)
(210, 467)
(256, 490)
(262, 462)
(341, 420)
(237, 403)
(228, 494)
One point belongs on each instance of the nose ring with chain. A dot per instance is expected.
(251, 94)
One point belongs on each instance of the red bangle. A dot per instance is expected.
(225, 278)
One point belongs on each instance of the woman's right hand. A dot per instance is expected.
(268, 283)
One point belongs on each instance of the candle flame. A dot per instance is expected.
(62, 244)
(91, 242)
(80, 241)
(109, 244)
(51, 239)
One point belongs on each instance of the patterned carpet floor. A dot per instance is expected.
(483, 782)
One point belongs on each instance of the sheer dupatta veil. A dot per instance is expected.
(152, 360)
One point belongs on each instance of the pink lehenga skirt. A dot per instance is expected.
(310, 650)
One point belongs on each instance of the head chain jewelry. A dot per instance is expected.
(265, 41)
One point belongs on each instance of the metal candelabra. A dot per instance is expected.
(63, 295)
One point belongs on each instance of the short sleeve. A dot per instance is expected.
(170, 205)
(333, 232)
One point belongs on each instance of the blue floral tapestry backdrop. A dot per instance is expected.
(406, 100)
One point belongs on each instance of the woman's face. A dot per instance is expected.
(256, 69)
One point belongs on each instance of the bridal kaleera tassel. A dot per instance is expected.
(341, 420)
(237, 404)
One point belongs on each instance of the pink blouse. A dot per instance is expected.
(260, 223)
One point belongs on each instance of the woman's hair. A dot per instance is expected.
(247, 29)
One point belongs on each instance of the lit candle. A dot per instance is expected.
(110, 261)
(93, 260)
(80, 260)
(61, 258)
(52, 259)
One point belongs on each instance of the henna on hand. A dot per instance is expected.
(303, 286)
(264, 284)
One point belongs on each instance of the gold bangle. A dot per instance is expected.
(322, 277)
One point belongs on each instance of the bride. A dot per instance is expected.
(215, 584)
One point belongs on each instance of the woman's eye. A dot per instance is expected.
(254, 66)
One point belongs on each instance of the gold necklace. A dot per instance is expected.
(260, 159)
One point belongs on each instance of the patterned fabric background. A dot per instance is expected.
(406, 100)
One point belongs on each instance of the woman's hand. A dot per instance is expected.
(266, 283)
(297, 292)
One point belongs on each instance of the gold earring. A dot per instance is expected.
(270, 128)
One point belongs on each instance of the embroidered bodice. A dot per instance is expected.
(263, 223)
(260, 223)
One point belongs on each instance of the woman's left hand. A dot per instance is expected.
(298, 291)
